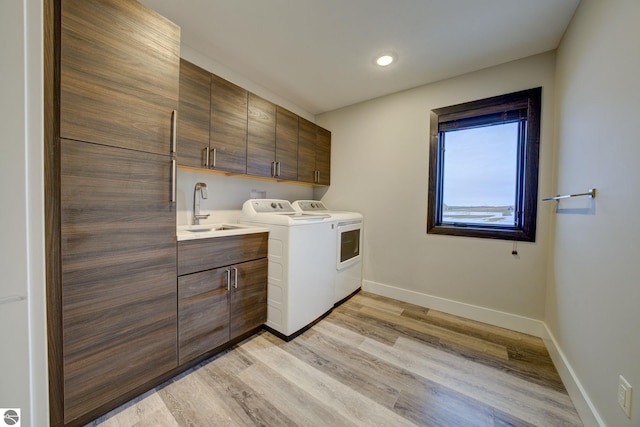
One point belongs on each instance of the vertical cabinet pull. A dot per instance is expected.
(273, 168)
(172, 153)
(213, 154)
(205, 155)
(173, 180)
(235, 278)
(228, 271)
(174, 128)
(277, 168)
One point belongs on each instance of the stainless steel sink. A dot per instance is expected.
(205, 228)
(205, 231)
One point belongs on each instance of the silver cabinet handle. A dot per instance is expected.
(173, 180)
(228, 279)
(205, 154)
(213, 153)
(277, 168)
(235, 278)
(273, 168)
(174, 128)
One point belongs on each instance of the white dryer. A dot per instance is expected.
(349, 228)
(301, 258)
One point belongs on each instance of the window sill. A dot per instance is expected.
(483, 233)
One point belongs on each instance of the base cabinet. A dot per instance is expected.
(248, 297)
(203, 313)
(219, 303)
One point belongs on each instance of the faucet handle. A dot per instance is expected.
(203, 191)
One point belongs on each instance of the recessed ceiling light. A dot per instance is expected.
(384, 60)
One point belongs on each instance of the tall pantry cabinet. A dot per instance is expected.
(114, 298)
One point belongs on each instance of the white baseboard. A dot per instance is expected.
(502, 319)
(588, 413)
(538, 328)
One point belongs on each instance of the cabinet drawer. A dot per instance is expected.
(205, 254)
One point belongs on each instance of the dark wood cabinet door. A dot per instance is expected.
(119, 74)
(306, 151)
(228, 132)
(323, 156)
(119, 294)
(203, 312)
(193, 115)
(261, 138)
(287, 144)
(248, 297)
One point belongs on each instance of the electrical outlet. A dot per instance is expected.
(624, 396)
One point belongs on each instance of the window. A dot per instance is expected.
(483, 167)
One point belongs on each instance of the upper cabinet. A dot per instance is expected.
(261, 142)
(272, 143)
(228, 126)
(193, 115)
(221, 126)
(286, 145)
(104, 98)
(314, 153)
(323, 156)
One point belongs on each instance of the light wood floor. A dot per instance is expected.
(372, 362)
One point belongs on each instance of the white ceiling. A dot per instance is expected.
(319, 54)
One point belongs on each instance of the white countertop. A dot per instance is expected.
(205, 231)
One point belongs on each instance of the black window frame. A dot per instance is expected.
(517, 106)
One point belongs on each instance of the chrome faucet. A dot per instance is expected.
(201, 189)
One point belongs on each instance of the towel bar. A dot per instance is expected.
(591, 193)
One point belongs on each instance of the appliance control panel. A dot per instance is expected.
(272, 206)
(311, 206)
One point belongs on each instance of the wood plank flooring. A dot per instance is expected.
(372, 362)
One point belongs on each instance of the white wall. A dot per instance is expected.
(23, 377)
(593, 293)
(380, 167)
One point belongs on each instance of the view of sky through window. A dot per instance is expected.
(480, 170)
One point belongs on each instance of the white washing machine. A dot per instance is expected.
(349, 235)
(301, 264)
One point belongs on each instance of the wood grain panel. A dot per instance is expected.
(119, 74)
(323, 155)
(204, 254)
(261, 138)
(249, 298)
(228, 132)
(306, 151)
(193, 115)
(287, 143)
(203, 313)
(118, 273)
(51, 143)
